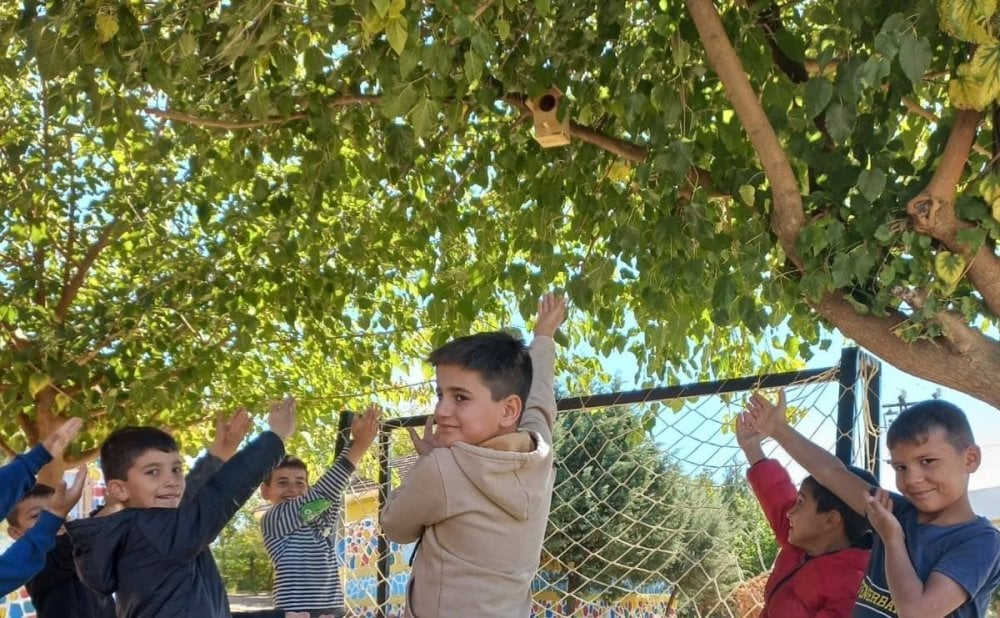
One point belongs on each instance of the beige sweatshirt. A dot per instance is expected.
(482, 511)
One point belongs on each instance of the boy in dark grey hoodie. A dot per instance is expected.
(153, 551)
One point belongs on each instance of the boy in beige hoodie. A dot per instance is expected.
(478, 497)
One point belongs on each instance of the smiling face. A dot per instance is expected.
(154, 480)
(933, 474)
(285, 484)
(466, 411)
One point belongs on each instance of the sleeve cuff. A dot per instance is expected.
(49, 522)
(36, 458)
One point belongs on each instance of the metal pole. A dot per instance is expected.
(847, 404)
(384, 478)
(874, 396)
(343, 432)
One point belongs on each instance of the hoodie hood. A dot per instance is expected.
(96, 543)
(502, 468)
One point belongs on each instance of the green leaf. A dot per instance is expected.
(915, 57)
(401, 104)
(106, 26)
(949, 267)
(747, 194)
(871, 183)
(473, 68)
(840, 121)
(818, 93)
(38, 382)
(424, 116)
(382, 6)
(395, 31)
(315, 60)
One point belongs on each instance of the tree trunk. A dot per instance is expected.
(962, 358)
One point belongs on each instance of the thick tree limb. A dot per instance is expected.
(28, 427)
(7, 449)
(959, 366)
(934, 360)
(69, 292)
(932, 211)
(788, 218)
(82, 458)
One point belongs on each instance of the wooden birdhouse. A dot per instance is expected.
(549, 130)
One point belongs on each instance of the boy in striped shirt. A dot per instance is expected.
(300, 528)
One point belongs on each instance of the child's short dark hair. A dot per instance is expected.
(288, 461)
(500, 359)
(120, 450)
(915, 423)
(856, 526)
(40, 490)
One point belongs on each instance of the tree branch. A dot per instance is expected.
(73, 287)
(932, 211)
(29, 428)
(958, 363)
(788, 218)
(926, 358)
(7, 449)
(86, 456)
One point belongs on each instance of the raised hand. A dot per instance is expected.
(878, 509)
(364, 427)
(57, 441)
(551, 313)
(229, 434)
(767, 417)
(65, 498)
(749, 438)
(281, 419)
(427, 443)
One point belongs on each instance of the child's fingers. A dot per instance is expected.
(429, 428)
(781, 397)
(78, 481)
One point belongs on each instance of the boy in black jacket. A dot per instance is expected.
(56, 591)
(153, 552)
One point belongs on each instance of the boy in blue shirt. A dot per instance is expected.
(153, 552)
(933, 556)
(27, 555)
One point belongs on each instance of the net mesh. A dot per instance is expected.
(651, 514)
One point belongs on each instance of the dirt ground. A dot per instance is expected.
(246, 602)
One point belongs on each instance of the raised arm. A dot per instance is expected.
(769, 419)
(26, 556)
(229, 434)
(18, 476)
(188, 529)
(540, 410)
(283, 519)
(768, 479)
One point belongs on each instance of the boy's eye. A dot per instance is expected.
(927, 462)
(152, 472)
(460, 397)
(898, 467)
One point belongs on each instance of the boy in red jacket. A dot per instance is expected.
(823, 543)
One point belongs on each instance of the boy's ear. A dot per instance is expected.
(834, 519)
(117, 489)
(14, 532)
(511, 414)
(973, 457)
(265, 491)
